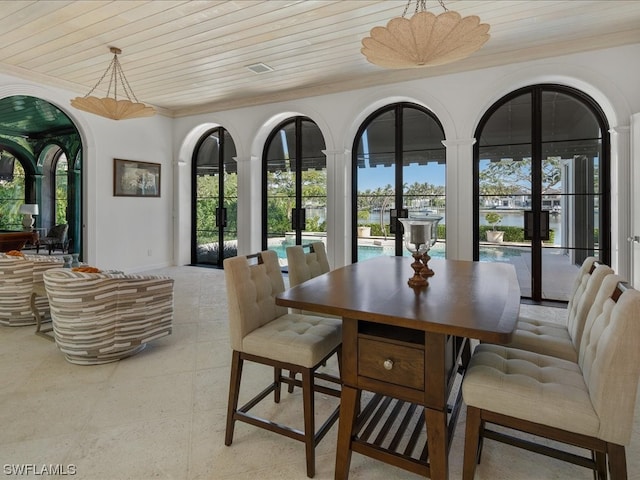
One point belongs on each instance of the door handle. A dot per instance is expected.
(394, 214)
(221, 217)
(298, 218)
(544, 225)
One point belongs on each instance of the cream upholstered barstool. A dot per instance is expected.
(266, 333)
(588, 404)
(563, 341)
(303, 265)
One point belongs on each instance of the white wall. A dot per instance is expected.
(609, 76)
(119, 232)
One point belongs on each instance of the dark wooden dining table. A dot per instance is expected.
(409, 345)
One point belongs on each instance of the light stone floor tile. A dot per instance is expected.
(161, 413)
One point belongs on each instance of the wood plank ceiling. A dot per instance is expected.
(188, 57)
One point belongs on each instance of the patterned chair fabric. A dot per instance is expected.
(18, 275)
(104, 317)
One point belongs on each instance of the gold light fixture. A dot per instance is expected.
(424, 40)
(112, 107)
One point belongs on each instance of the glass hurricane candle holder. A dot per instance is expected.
(418, 234)
(426, 270)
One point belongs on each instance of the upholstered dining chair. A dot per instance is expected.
(303, 265)
(265, 333)
(563, 341)
(588, 403)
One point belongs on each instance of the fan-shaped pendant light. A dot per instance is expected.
(425, 39)
(112, 107)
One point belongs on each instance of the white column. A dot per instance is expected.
(620, 201)
(634, 194)
(338, 207)
(249, 205)
(460, 201)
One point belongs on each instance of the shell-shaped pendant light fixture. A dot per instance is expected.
(425, 39)
(113, 107)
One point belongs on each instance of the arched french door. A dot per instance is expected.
(398, 170)
(542, 180)
(215, 199)
(294, 179)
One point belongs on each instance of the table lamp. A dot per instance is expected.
(28, 210)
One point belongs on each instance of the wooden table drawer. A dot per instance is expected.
(391, 362)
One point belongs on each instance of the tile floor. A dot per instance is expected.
(160, 414)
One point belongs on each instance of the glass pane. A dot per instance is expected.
(230, 237)
(206, 231)
(572, 192)
(424, 171)
(11, 192)
(313, 183)
(375, 187)
(507, 128)
(505, 195)
(566, 118)
(62, 168)
(280, 188)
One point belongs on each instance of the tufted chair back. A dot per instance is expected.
(252, 285)
(305, 266)
(589, 282)
(610, 358)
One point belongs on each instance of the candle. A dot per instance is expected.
(417, 234)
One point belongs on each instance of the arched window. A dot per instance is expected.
(542, 183)
(215, 199)
(294, 179)
(399, 166)
(61, 186)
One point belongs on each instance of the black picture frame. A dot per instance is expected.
(135, 179)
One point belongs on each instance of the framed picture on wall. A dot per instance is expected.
(135, 179)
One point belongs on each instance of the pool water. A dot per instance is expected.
(365, 252)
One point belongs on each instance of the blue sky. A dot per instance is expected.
(372, 178)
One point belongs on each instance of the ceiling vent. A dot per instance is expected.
(260, 68)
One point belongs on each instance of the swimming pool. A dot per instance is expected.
(365, 252)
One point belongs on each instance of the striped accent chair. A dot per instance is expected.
(104, 317)
(17, 278)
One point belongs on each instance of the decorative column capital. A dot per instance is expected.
(459, 142)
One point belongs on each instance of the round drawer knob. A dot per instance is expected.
(387, 364)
